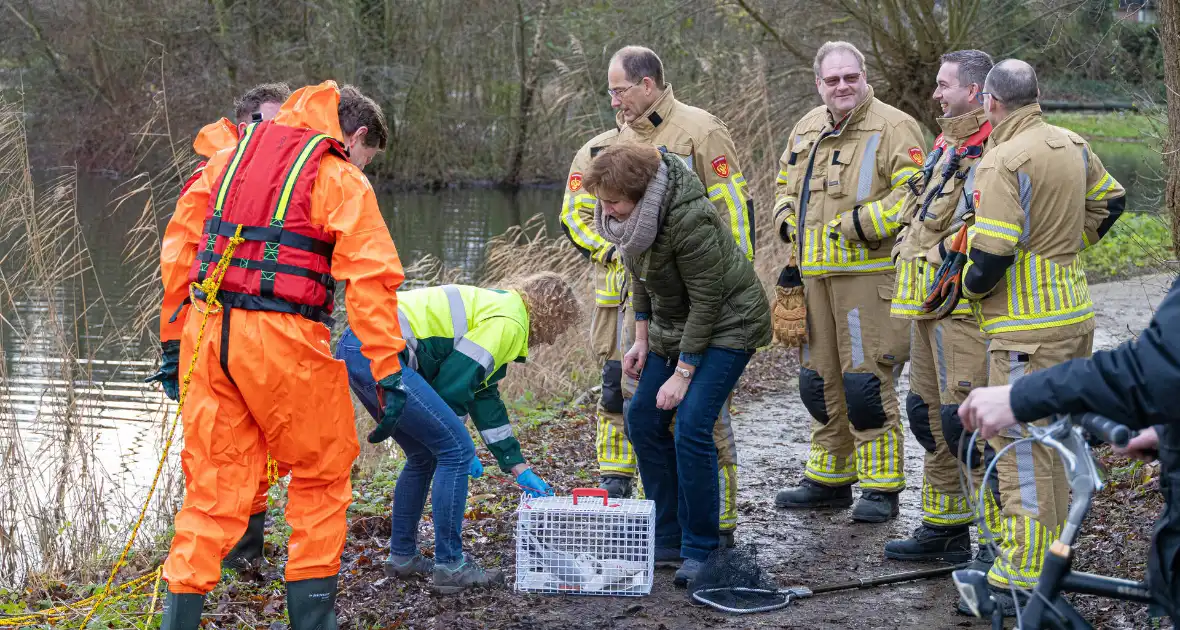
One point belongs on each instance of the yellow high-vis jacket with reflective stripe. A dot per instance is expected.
(701, 140)
(461, 340)
(1043, 196)
(845, 183)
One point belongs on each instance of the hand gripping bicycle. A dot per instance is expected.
(1046, 608)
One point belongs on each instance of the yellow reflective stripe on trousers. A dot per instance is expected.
(280, 213)
(1022, 552)
(615, 454)
(826, 468)
(727, 487)
(944, 509)
(880, 463)
(611, 294)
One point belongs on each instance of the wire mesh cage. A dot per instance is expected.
(585, 544)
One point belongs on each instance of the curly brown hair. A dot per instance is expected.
(551, 303)
(623, 169)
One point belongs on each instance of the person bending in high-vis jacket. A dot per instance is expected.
(1042, 196)
(648, 112)
(264, 378)
(840, 191)
(260, 103)
(459, 343)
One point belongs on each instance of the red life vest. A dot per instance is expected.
(284, 265)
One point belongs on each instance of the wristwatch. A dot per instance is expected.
(684, 372)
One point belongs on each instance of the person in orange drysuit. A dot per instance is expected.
(260, 103)
(265, 379)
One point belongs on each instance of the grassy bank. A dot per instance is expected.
(1139, 243)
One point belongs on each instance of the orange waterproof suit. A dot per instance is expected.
(266, 379)
(178, 239)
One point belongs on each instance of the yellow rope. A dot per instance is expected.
(65, 610)
(210, 287)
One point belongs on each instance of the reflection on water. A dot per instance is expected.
(80, 433)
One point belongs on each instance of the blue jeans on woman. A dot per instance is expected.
(679, 472)
(437, 446)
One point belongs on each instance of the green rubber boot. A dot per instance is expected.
(248, 552)
(311, 604)
(182, 611)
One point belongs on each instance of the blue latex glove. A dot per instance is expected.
(533, 485)
(168, 375)
(476, 470)
(393, 401)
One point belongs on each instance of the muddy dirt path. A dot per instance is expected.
(819, 547)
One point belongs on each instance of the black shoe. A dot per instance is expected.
(248, 552)
(616, 487)
(1002, 596)
(726, 539)
(311, 604)
(984, 558)
(930, 542)
(182, 611)
(810, 494)
(876, 507)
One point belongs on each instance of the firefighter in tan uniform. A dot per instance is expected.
(840, 190)
(649, 112)
(948, 357)
(1042, 196)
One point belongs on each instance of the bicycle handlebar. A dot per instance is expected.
(1105, 429)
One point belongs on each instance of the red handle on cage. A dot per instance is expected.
(589, 492)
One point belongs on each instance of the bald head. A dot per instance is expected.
(1013, 83)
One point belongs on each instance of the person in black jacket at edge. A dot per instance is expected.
(1134, 384)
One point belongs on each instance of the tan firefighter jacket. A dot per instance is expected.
(844, 183)
(940, 202)
(701, 140)
(1042, 196)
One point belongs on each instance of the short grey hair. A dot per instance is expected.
(973, 66)
(831, 47)
(639, 62)
(1014, 83)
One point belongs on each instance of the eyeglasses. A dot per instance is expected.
(617, 92)
(991, 94)
(850, 79)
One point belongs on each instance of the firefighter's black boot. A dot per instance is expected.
(311, 604)
(616, 486)
(182, 611)
(875, 506)
(248, 552)
(930, 542)
(810, 494)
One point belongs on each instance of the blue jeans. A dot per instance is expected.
(679, 472)
(437, 446)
